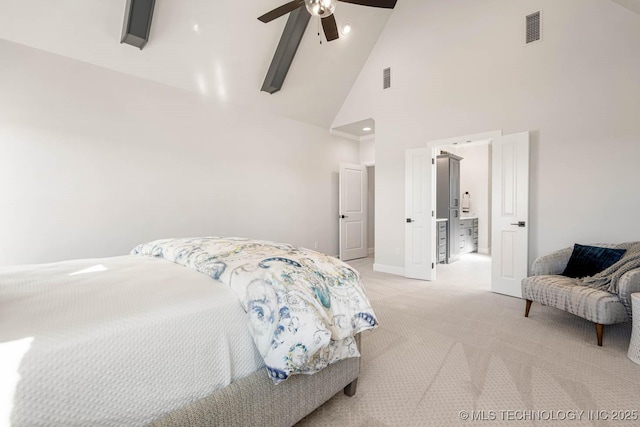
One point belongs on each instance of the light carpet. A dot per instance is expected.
(451, 345)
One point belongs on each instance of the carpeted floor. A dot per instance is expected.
(451, 345)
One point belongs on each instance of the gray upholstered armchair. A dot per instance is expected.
(548, 287)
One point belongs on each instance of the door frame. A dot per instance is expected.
(369, 211)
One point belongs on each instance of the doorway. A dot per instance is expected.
(509, 208)
(475, 193)
(357, 211)
(357, 193)
(353, 214)
(473, 231)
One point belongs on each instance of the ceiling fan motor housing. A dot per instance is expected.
(321, 8)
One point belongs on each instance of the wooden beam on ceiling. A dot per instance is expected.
(286, 51)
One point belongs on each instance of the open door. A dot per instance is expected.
(510, 213)
(420, 224)
(353, 211)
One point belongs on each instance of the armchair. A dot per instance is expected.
(548, 287)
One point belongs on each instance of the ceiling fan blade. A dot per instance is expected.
(387, 4)
(330, 28)
(280, 11)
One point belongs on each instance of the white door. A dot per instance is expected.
(353, 211)
(420, 224)
(510, 213)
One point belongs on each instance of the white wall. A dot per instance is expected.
(460, 67)
(368, 151)
(93, 162)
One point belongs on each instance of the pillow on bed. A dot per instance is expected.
(589, 260)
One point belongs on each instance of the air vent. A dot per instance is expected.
(386, 78)
(533, 28)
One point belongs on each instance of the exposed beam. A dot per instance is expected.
(137, 22)
(286, 51)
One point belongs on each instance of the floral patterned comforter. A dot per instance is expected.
(304, 307)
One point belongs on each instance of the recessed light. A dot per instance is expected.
(346, 29)
(367, 129)
(196, 28)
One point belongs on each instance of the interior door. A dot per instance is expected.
(353, 211)
(510, 213)
(420, 224)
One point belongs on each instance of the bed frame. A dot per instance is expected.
(255, 400)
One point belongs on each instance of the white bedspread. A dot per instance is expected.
(304, 307)
(115, 341)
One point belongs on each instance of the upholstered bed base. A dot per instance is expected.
(256, 401)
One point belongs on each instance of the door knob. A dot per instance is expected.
(344, 216)
(519, 223)
(411, 220)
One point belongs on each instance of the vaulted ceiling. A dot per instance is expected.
(216, 48)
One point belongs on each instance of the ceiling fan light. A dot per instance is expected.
(321, 8)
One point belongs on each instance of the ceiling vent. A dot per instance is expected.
(533, 29)
(386, 78)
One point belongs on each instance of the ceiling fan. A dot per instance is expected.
(295, 28)
(323, 9)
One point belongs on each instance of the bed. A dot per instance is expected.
(143, 340)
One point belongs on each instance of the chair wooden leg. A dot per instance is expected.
(350, 389)
(599, 333)
(527, 308)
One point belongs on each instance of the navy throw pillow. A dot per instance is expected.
(589, 260)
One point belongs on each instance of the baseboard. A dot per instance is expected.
(398, 271)
(485, 251)
(371, 251)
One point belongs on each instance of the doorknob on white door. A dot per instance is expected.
(344, 216)
(519, 223)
